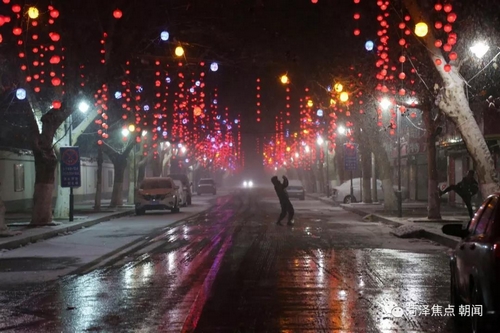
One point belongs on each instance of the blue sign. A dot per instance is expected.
(70, 167)
(351, 157)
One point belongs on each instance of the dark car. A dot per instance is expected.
(475, 266)
(206, 185)
(185, 183)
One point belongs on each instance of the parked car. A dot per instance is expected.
(156, 193)
(342, 193)
(206, 185)
(181, 193)
(475, 264)
(295, 189)
(186, 184)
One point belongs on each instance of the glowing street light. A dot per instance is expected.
(125, 132)
(385, 103)
(179, 51)
(284, 79)
(319, 141)
(479, 49)
(33, 12)
(131, 127)
(344, 97)
(341, 130)
(421, 29)
(83, 107)
(338, 87)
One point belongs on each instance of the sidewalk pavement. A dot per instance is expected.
(413, 224)
(84, 216)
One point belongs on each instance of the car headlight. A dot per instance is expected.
(250, 184)
(245, 184)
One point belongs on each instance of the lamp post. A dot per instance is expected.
(83, 107)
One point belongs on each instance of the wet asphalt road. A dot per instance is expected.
(232, 269)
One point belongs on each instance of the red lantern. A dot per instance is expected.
(447, 47)
(357, 32)
(438, 43)
(402, 76)
(56, 104)
(55, 59)
(117, 14)
(356, 16)
(438, 25)
(16, 8)
(453, 56)
(448, 28)
(56, 81)
(438, 7)
(54, 13)
(314, 1)
(17, 31)
(452, 17)
(438, 62)
(448, 8)
(54, 36)
(447, 68)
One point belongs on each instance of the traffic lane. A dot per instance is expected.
(329, 272)
(234, 269)
(151, 291)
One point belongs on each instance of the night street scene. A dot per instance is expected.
(250, 166)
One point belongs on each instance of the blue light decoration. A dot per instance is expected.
(212, 140)
(229, 127)
(164, 36)
(329, 88)
(167, 79)
(287, 133)
(139, 89)
(165, 133)
(236, 121)
(184, 121)
(224, 121)
(215, 102)
(187, 160)
(158, 128)
(319, 113)
(230, 144)
(146, 107)
(118, 94)
(20, 94)
(197, 83)
(191, 90)
(218, 117)
(203, 126)
(369, 46)
(214, 67)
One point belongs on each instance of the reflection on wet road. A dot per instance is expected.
(232, 269)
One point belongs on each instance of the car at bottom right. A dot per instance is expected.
(475, 267)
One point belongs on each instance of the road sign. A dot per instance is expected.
(70, 167)
(351, 157)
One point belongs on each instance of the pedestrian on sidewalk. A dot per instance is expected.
(466, 189)
(286, 205)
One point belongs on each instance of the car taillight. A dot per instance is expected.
(496, 250)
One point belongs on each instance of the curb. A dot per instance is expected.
(53, 233)
(432, 236)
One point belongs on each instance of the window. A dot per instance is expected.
(110, 178)
(152, 184)
(18, 177)
(486, 217)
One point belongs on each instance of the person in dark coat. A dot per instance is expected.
(286, 205)
(466, 189)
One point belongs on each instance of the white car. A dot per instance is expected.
(342, 193)
(247, 184)
(295, 189)
(182, 193)
(156, 193)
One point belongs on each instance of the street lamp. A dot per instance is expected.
(83, 107)
(479, 49)
(386, 103)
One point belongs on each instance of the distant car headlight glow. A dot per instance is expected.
(245, 184)
(248, 183)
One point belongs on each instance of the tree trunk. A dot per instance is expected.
(117, 195)
(45, 170)
(454, 104)
(433, 201)
(374, 178)
(3, 225)
(131, 180)
(366, 167)
(98, 189)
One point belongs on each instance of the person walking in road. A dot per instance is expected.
(466, 189)
(286, 205)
